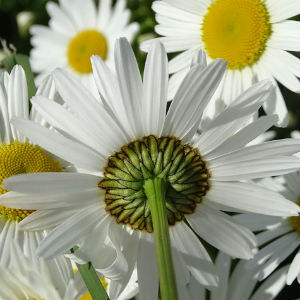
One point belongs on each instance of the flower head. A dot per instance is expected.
(18, 155)
(252, 35)
(77, 30)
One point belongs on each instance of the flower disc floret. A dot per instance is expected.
(85, 44)
(19, 158)
(180, 165)
(237, 31)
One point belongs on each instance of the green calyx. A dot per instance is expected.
(181, 166)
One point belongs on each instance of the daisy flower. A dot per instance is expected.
(279, 236)
(252, 35)
(78, 29)
(17, 154)
(118, 144)
(32, 278)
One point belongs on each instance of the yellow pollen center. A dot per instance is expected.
(295, 221)
(18, 158)
(237, 31)
(85, 44)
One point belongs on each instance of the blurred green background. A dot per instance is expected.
(14, 12)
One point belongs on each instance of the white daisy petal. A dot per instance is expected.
(199, 58)
(271, 286)
(279, 11)
(294, 269)
(130, 83)
(119, 18)
(61, 182)
(164, 8)
(209, 142)
(66, 236)
(147, 268)
(65, 121)
(257, 222)
(245, 105)
(107, 85)
(191, 6)
(60, 20)
(222, 232)
(45, 219)
(6, 135)
(283, 252)
(247, 134)
(17, 98)
(288, 79)
(194, 255)
(38, 201)
(81, 155)
(82, 102)
(242, 281)
(266, 236)
(285, 36)
(252, 198)
(223, 265)
(174, 43)
(155, 88)
(257, 168)
(175, 81)
(293, 183)
(291, 62)
(104, 12)
(182, 115)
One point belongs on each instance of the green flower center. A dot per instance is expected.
(166, 157)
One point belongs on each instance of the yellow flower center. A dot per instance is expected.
(237, 31)
(295, 221)
(18, 158)
(85, 44)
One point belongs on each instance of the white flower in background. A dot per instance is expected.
(295, 134)
(17, 154)
(28, 277)
(252, 35)
(78, 29)
(241, 282)
(118, 144)
(280, 236)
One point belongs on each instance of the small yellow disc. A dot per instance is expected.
(237, 31)
(19, 158)
(83, 46)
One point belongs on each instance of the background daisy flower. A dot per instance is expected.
(17, 154)
(29, 277)
(279, 237)
(119, 143)
(78, 29)
(252, 35)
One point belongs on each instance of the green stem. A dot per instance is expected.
(155, 190)
(92, 281)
